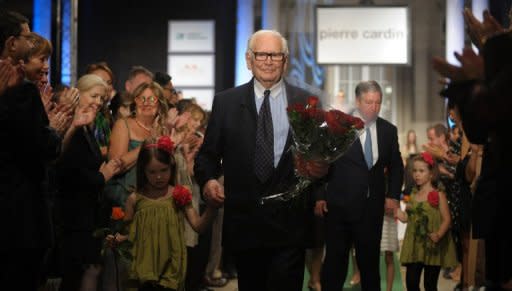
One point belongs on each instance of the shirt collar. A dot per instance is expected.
(275, 90)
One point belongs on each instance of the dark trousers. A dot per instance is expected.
(413, 276)
(498, 257)
(21, 268)
(270, 269)
(197, 259)
(364, 234)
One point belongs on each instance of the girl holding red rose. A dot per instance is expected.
(428, 244)
(156, 212)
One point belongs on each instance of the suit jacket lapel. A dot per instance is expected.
(359, 151)
(91, 142)
(248, 103)
(291, 98)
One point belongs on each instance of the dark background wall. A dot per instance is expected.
(134, 32)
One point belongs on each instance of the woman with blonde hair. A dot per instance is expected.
(104, 120)
(82, 174)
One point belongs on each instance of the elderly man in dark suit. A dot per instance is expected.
(358, 192)
(27, 145)
(247, 139)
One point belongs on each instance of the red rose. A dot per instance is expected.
(314, 113)
(312, 101)
(181, 195)
(358, 123)
(406, 198)
(319, 116)
(427, 157)
(433, 198)
(165, 143)
(297, 107)
(334, 119)
(117, 213)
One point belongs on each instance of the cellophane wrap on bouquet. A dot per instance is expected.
(318, 135)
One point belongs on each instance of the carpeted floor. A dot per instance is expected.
(397, 282)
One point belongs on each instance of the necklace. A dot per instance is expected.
(142, 125)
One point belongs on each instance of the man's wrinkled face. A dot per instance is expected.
(266, 59)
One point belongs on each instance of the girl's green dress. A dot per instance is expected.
(418, 248)
(159, 251)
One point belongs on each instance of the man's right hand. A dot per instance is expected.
(321, 208)
(214, 192)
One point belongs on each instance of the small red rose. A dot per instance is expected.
(433, 198)
(181, 195)
(335, 120)
(165, 143)
(117, 213)
(427, 157)
(312, 101)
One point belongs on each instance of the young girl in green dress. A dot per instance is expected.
(155, 212)
(428, 244)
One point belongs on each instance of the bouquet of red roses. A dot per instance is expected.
(318, 135)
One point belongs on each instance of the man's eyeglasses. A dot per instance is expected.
(149, 99)
(262, 56)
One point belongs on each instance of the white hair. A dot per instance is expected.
(86, 82)
(284, 42)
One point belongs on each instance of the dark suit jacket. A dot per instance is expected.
(80, 184)
(228, 149)
(27, 145)
(81, 208)
(349, 179)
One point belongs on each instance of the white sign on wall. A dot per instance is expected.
(191, 70)
(191, 59)
(191, 36)
(362, 35)
(204, 97)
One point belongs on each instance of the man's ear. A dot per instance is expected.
(248, 61)
(127, 86)
(10, 45)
